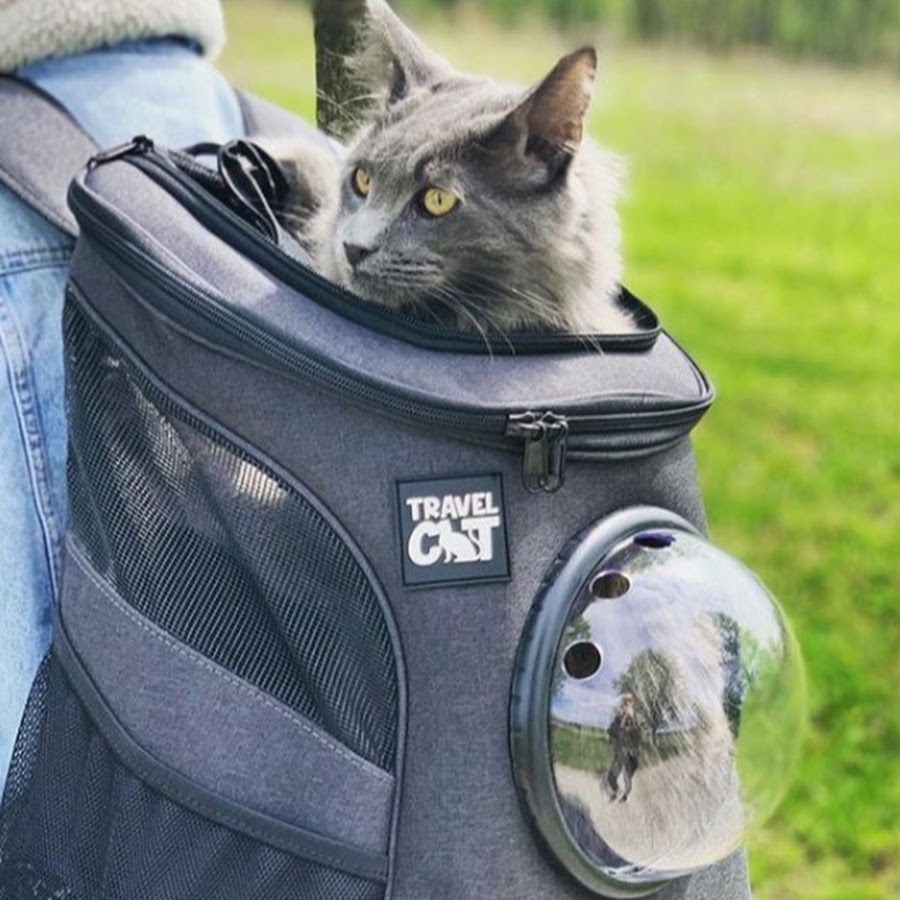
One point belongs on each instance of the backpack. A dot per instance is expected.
(337, 580)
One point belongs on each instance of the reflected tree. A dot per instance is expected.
(748, 665)
(735, 675)
(577, 629)
(652, 678)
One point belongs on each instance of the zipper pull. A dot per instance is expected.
(139, 144)
(546, 437)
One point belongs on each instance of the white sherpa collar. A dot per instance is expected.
(31, 30)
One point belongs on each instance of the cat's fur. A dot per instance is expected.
(534, 242)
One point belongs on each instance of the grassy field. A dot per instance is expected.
(763, 223)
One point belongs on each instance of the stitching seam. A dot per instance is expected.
(192, 657)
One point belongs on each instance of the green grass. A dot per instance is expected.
(763, 223)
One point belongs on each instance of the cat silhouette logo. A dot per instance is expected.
(453, 530)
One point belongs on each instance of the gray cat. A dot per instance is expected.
(476, 204)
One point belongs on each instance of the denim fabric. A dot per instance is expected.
(160, 88)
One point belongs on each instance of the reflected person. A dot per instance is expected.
(626, 734)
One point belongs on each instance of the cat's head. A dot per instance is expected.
(474, 202)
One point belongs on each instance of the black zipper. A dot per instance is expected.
(165, 169)
(548, 436)
(136, 145)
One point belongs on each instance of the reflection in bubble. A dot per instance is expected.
(661, 758)
(628, 737)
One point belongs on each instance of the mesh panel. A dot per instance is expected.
(24, 755)
(221, 552)
(86, 828)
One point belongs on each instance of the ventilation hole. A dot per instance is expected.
(582, 660)
(609, 585)
(654, 540)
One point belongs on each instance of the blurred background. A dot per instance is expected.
(762, 222)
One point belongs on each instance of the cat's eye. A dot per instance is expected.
(362, 183)
(438, 202)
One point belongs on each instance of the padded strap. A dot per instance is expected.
(41, 149)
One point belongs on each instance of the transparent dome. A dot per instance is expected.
(675, 703)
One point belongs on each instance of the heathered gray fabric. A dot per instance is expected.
(209, 725)
(41, 149)
(727, 880)
(576, 379)
(461, 833)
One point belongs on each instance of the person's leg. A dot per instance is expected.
(612, 776)
(629, 768)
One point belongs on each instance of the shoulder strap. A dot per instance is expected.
(41, 149)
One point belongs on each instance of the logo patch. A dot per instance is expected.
(453, 530)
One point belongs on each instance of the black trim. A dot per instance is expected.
(450, 582)
(163, 169)
(202, 314)
(186, 792)
(529, 736)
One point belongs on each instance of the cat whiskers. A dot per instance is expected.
(534, 306)
(462, 306)
(285, 216)
(457, 306)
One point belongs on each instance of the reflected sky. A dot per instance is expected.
(676, 593)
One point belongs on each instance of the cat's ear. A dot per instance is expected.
(546, 129)
(395, 58)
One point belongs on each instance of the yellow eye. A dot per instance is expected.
(438, 202)
(362, 184)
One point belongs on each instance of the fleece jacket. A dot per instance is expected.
(31, 30)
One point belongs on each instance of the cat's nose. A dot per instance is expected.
(357, 253)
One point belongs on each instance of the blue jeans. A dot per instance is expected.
(160, 88)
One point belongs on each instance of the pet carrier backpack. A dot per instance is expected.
(357, 608)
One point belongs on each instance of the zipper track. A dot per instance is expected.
(228, 225)
(172, 296)
(267, 347)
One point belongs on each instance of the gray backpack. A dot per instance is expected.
(357, 608)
